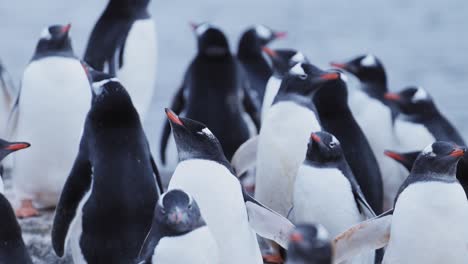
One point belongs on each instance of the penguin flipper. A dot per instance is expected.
(157, 175)
(268, 223)
(176, 106)
(363, 237)
(77, 184)
(245, 156)
(149, 244)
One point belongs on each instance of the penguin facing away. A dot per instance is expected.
(337, 119)
(282, 61)
(106, 207)
(326, 192)
(123, 43)
(230, 214)
(282, 142)
(419, 122)
(178, 224)
(309, 244)
(213, 91)
(251, 57)
(433, 231)
(12, 247)
(374, 114)
(53, 74)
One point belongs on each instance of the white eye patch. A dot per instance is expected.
(428, 151)
(207, 132)
(298, 57)
(297, 70)
(97, 86)
(161, 199)
(322, 234)
(45, 34)
(420, 95)
(369, 61)
(202, 28)
(263, 32)
(335, 140)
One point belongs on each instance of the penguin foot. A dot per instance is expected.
(26, 210)
(273, 259)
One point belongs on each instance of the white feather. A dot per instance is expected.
(412, 136)
(420, 95)
(272, 87)
(298, 57)
(369, 61)
(297, 69)
(263, 32)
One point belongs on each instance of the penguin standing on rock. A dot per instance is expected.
(106, 207)
(428, 222)
(229, 212)
(309, 244)
(56, 77)
(123, 43)
(419, 122)
(12, 247)
(213, 91)
(178, 224)
(336, 118)
(251, 56)
(326, 192)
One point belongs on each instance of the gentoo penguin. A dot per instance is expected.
(407, 160)
(337, 119)
(282, 142)
(178, 225)
(12, 247)
(230, 214)
(55, 76)
(375, 116)
(282, 61)
(123, 43)
(326, 191)
(106, 206)
(213, 92)
(309, 244)
(419, 122)
(7, 98)
(251, 56)
(428, 223)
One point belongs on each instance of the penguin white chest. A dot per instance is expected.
(271, 90)
(139, 64)
(324, 195)
(429, 225)
(219, 196)
(282, 147)
(55, 98)
(196, 247)
(412, 136)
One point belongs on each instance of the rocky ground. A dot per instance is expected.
(422, 42)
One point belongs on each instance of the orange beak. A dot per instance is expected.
(18, 146)
(270, 52)
(392, 96)
(173, 117)
(330, 76)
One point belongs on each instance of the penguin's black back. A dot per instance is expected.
(12, 248)
(107, 40)
(337, 119)
(214, 96)
(119, 211)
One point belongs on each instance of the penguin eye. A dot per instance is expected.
(332, 144)
(303, 76)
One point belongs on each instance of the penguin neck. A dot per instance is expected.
(424, 117)
(46, 49)
(249, 47)
(215, 156)
(318, 162)
(127, 8)
(375, 89)
(113, 111)
(299, 99)
(331, 100)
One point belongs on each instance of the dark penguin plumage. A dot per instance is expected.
(415, 105)
(309, 244)
(336, 118)
(12, 247)
(114, 175)
(106, 44)
(283, 59)
(213, 92)
(251, 56)
(175, 216)
(54, 41)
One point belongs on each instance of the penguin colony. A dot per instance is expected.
(279, 161)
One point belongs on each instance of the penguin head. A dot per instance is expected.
(412, 101)
(323, 148)
(367, 68)
(55, 38)
(333, 94)
(8, 147)
(406, 159)
(309, 243)
(132, 7)
(211, 40)
(255, 37)
(439, 158)
(284, 59)
(177, 211)
(194, 140)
